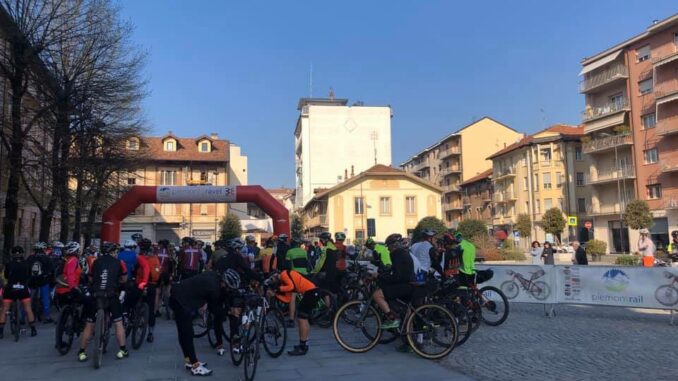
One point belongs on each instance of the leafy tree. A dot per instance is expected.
(524, 225)
(297, 226)
(428, 223)
(637, 215)
(596, 248)
(471, 228)
(230, 227)
(553, 221)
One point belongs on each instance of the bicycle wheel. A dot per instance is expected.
(464, 325)
(211, 331)
(494, 306)
(666, 295)
(324, 311)
(16, 322)
(354, 293)
(236, 350)
(99, 338)
(431, 331)
(201, 324)
(251, 354)
(510, 289)
(356, 326)
(140, 325)
(274, 335)
(540, 290)
(65, 330)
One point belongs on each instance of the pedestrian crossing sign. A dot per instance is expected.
(571, 220)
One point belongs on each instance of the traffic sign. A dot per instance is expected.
(588, 224)
(571, 220)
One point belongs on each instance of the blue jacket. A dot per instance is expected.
(130, 259)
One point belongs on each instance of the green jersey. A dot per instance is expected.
(383, 253)
(297, 259)
(323, 256)
(468, 257)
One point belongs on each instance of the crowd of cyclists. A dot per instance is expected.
(193, 278)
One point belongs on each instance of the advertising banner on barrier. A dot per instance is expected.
(524, 283)
(198, 194)
(618, 286)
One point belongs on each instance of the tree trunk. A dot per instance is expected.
(77, 216)
(61, 180)
(91, 216)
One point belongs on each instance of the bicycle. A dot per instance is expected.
(203, 325)
(429, 326)
(668, 294)
(538, 289)
(322, 312)
(137, 322)
(488, 304)
(454, 305)
(15, 320)
(71, 323)
(102, 329)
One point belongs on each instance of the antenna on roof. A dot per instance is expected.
(331, 96)
(543, 117)
(310, 82)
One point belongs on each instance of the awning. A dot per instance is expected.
(667, 99)
(603, 123)
(601, 62)
(666, 59)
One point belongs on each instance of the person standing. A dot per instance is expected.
(646, 248)
(42, 272)
(547, 254)
(579, 254)
(189, 259)
(18, 274)
(424, 250)
(536, 252)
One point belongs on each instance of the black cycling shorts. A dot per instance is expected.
(307, 303)
(164, 279)
(402, 291)
(114, 307)
(10, 293)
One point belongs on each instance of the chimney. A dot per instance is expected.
(331, 94)
(655, 22)
(214, 136)
(352, 171)
(345, 174)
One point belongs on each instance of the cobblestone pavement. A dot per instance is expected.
(34, 358)
(580, 343)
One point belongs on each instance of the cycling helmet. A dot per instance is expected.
(145, 245)
(325, 236)
(674, 234)
(17, 252)
(282, 238)
(137, 237)
(351, 251)
(200, 243)
(236, 244)
(370, 243)
(448, 239)
(458, 237)
(250, 238)
(163, 242)
(231, 278)
(428, 233)
(58, 244)
(108, 248)
(644, 231)
(39, 246)
(188, 240)
(339, 236)
(129, 244)
(294, 242)
(72, 248)
(394, 239)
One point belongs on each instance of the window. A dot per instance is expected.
(169, 146)
(546, 155)
(358, 205)
(168, 178)
(617, 101)
(547, 180)
(577, 153)
(649, 120)
(651, 156)
(203, 177)
(525, 183)
(581, 205)
(548, 203)
(536, 182)
(524, 161)
(645, 86)
(131, 181)
(537, 206)
(527, 207)
(410, 205)
(360, 234)
(643, 53)
(204, 146)
(654, 191)
(385, 205)
(133, 144)
(675, 39)
(559, 180)
(580, 179)
(203, 209)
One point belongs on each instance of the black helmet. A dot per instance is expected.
(282, 237)
(163, 242)
(145, 245)
(137, 236)
(17, 252)
(325, 236)
(340, 236)
(394, 239)
(188, 240)
(294, 242)
(108, 248)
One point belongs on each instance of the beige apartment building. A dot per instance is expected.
(631, 126)
(541, 171)
(477, 195)
(172, 160)
(459, 156)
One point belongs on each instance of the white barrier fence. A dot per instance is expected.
(597, 285)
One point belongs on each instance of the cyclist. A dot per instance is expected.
(166, 262)
(142, 277)
(18, 274)
(296, 258)
(187, 297)
(69, 279)
(267, 257)
(129, 256)
(395, 282)
(42, 273)
(673, 245)
(380, 254)
(467, 255)
(424, 250)
(339, 238)
(281, 251)
(107, 275)
(326, 265)
(219, 252)
(449, 264)
(189, 258)
(248, 251)
(288, 283)
(137, 237)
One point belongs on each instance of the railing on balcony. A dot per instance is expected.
(450, 170)
(452, 206)
(449, 152)
(611, 175)
(504, 173)
(665, 89)
(667, 126)
(611, 74)
(450, 187)
(486, 196)
(670, 202)
(420, 165)
(603, 209)
(317, 220)
(466, 200)
(665, 58)
(606, 143)
(670, 166)
(596, 112)
(504, 196)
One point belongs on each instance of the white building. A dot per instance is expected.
(334, 141)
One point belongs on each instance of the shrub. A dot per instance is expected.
(510, 252)
(596, 247)
(486, 247)
(472, 228)
(637, 215)
(428, 223)
(627, 260)
(230, 227)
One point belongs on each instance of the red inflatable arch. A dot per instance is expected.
(113, 216)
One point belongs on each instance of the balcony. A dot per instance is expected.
(611, 175)
(597, 112)
(667, 126)
(449, 152)
(670, 202)
(603, 78)
(665, 58)
(319, 220)
(420, 166)
(486, 197)
(671, 166)
(450, 187)
(505, 173)
(603, 210)
(466, 200)
(666, 91)
(607, 143)
(505, 196)
(449, 171)
(455, 205)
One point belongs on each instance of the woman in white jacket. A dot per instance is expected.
(536, 253)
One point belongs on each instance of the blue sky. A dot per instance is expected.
(239, 68)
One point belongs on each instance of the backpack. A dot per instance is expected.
(36, 269)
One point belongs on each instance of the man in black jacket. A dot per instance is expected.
(579, 254)
(396, 282)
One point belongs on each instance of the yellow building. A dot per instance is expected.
(459, 157)
(385, 199)
(540, 172)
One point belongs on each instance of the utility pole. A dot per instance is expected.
(374, 135)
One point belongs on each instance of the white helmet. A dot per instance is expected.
(129, 244)
(72, 248)
(57, 244)
(250, 238)
(231, 278)
(236, 244)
